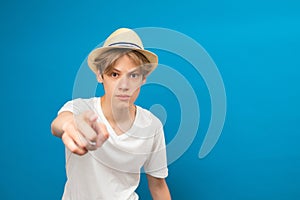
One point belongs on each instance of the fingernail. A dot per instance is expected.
(92, 143)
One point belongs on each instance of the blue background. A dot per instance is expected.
(255, 45)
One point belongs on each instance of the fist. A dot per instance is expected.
(83, 133)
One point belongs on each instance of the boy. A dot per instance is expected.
(109, 139)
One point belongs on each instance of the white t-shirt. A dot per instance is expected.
(112, 172)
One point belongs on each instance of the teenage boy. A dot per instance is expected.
(109, 139)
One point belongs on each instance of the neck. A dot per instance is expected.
(120, 119)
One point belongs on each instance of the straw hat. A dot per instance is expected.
(122, 38)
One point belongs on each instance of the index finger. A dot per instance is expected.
(102, 133)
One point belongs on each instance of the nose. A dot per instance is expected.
(123, 83)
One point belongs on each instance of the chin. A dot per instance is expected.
(122, 104)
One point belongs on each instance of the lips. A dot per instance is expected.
(123, 97)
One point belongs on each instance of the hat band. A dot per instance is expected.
(126, 44)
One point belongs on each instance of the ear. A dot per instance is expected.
(144, 80)
(99, 77)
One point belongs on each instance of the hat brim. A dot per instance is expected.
(98, 51)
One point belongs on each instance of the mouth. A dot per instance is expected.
(123, 97)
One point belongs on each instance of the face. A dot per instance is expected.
(122, 85)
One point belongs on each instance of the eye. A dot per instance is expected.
(114, 75)
(135, 75)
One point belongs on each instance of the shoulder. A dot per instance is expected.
(79, 105)
(83, 101)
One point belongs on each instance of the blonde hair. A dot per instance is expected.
(106, 60)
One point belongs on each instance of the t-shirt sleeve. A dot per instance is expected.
(156, 164)
(76, 106)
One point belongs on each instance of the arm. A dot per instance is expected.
(79, 133)
(158, 188)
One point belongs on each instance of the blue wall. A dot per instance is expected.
(255, 45)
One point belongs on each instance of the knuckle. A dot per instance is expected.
(77, 150)
(73, 149)
(82, 144)
(81, 152)
(92, 148)
(92, 137)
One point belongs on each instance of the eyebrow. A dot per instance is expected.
(131, 71)
(114, 69)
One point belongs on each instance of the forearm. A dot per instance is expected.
(161, 193)
(59, 122)
(158, 188)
